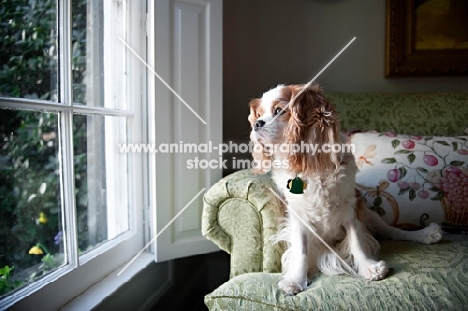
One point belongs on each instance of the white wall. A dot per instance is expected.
(267, 42)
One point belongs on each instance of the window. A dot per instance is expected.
(70, 92)
(74, 208)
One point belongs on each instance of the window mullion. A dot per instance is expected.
(30, 104)
(66, 132)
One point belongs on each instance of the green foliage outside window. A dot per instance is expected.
(30, 233)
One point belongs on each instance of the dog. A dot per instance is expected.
(319, 189)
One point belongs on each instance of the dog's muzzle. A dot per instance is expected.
(258, 125)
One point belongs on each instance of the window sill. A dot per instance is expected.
(94, 295)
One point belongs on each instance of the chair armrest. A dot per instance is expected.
(240, 215)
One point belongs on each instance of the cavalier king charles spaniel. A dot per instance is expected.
(319, 188)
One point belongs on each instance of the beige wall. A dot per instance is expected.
(267, 42)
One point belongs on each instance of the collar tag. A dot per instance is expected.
(296, 185)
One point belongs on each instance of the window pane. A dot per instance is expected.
(31, 234)
(98, 54)
(28, 41)
(100, 179)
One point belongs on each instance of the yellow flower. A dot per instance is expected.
(36, 250)
(42, 218)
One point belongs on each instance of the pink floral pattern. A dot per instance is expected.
(427, 174)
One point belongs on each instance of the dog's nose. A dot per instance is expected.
(258, 124)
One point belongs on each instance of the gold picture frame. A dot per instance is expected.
(426, 41)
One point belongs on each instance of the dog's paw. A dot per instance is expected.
(432, 234)
(290, 288)
(376, 271)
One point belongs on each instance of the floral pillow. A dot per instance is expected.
(409, 180)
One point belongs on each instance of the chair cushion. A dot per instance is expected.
(422, 277)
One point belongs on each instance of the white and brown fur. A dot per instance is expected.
(330, 204)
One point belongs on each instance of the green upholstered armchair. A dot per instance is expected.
(241, 214)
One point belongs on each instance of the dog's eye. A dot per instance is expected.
(279, 111)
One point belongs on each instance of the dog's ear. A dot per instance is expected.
(310, 110)
(313, 121)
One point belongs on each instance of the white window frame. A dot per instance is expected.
(88, 279)
(59, 288)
